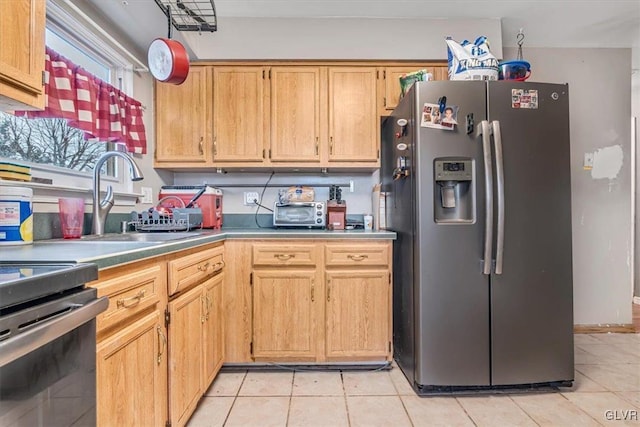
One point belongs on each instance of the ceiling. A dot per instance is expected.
(546, 23)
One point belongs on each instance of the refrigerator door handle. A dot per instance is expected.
(485, 130)
(497, 140)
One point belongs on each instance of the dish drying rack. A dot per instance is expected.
(163, 219)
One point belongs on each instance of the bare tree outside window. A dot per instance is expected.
(48, 141)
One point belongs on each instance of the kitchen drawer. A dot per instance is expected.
(269, 255)
(189, 270)
(130, 294)
(370, 254)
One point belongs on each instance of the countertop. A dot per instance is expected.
(109, 253)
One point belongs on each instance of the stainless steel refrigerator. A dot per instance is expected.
(483, 294)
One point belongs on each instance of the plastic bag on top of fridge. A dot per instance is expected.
(471, 61)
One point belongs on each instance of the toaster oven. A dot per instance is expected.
(300, 214)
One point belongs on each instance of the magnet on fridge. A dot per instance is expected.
(442, 103)
(402, 122)
(470, 123)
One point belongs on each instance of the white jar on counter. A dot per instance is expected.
(16, 216)
(368, 222)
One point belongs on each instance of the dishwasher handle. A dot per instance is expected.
(41, 334)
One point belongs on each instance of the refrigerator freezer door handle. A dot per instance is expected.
(485, 130)
(497, 140)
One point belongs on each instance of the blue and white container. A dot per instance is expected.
(16, 216)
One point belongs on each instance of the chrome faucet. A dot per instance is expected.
(101, 209)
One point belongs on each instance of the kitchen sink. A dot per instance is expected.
(139, 237)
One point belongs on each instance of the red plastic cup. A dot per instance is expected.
(71, 211)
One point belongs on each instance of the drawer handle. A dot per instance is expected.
(357, 257)
(284, 257)
(203, 267)
(131, 301)
(219, 266)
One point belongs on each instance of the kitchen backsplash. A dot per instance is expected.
(235, 184)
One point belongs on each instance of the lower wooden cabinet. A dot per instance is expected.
(213, 331)
(310, 301)
(196, 346)
(185, 353)
(131, 375)
(285, 314)
(155, 358)
(358, 314)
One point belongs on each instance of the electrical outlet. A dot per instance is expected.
(147, 196)
(249, 197)
(588, 161)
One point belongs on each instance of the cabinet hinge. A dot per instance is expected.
(378, 153)
(264, 153)
(251, 278)
(385, 101)
(167, 317)
(269, 73)
(251, 348)
(377, 74)
(389, 346)
(262, 74)
(389, 278)
(167, 424)
(44, 78)
(269, 152)
(384, 74)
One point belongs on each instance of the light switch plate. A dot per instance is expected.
(147, 196)
(588, 161)
(249, 197)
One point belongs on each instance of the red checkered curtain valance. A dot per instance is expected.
(90, 104)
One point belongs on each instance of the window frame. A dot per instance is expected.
(80, 30)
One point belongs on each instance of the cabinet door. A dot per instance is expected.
(285, 313)
(295, 114)
(185, 354)
(22, 53)
(131, 373)
(392, 82)
(238, 114)
(182, 116)
(213, 333)
(358, 314)
(353, 119)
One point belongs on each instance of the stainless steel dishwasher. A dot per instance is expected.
(48, 344)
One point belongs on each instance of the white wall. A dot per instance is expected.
(143, 92)
(600, 110)
(339, 38)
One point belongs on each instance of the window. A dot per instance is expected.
(51, 143)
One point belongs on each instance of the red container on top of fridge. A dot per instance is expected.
(210, 201)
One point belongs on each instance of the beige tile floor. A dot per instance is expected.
(607, 386)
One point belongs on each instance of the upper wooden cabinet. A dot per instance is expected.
(391, 77)
(238, 114)
(183, 129)
(295, 114)
(276, 115)
(353, 121)
(22, 25)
